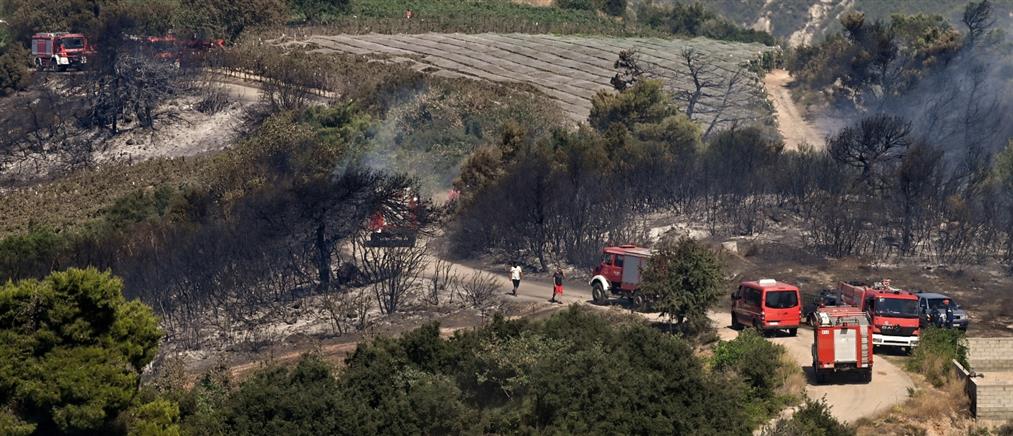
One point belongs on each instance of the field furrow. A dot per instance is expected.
(568, 69)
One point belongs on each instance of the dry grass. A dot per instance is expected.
(930, 411)
(794, 379)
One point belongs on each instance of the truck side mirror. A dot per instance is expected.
(735, 295)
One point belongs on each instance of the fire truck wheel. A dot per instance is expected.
(793, 332)
(638, 301)
(736, 325)
(598, 293)
(867, 376)
(821, 376)
(61, 68)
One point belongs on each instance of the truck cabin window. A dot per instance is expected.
(72, 43)
(896, 307)
(619, 260)
(781, 299)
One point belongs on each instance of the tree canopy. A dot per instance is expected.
(71, 351)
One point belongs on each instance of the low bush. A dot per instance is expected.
(760, 364)
(936, 349)
(811, 419)
(508, 377)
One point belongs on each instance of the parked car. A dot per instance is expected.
(767, 305)
(932, 308)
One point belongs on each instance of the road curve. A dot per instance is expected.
(849, 398)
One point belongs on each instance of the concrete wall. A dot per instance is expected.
(991, 394)
(993, 401)
(990, 354)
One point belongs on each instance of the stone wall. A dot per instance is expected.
(990, 354)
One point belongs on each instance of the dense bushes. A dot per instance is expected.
(697, 20)
(71, 352)
(575, 373)
(936, 349)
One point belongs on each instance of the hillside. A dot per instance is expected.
(802, 21)
(568, 69)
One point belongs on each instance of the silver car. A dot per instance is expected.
(932, 310)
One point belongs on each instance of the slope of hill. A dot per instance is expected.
(568, 69)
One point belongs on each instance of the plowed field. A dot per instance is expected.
(568, 69)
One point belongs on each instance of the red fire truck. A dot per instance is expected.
(894, 312)
(618, 273)
(60, 50)
(396, 226)
(842, 342)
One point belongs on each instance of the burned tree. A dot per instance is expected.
(872, 146)
(394, 273)
(716, 96)
(978, 19)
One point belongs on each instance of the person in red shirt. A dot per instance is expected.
(557, 288)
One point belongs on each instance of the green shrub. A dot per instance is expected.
(811, 419)
(756, 359)
(575, 373)
(936, 349)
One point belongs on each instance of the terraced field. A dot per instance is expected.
(568, 69)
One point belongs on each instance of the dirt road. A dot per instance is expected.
(849, 398)
(793, 127)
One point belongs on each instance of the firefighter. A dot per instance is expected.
(515, 276)
(948, 313)
(557, 285)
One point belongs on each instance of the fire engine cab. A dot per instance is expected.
(894, 312)
(618, 273)
(60, 50)
(842, 342)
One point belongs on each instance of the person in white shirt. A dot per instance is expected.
(515, 276)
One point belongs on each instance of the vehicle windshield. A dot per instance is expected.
(781, 299)
(72, 43)
(937, 303)
(897, 307)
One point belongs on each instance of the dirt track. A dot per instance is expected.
(795, 129)
(849, 398)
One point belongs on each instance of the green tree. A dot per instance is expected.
(644, 102)
(72, 349)
(682, 280)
